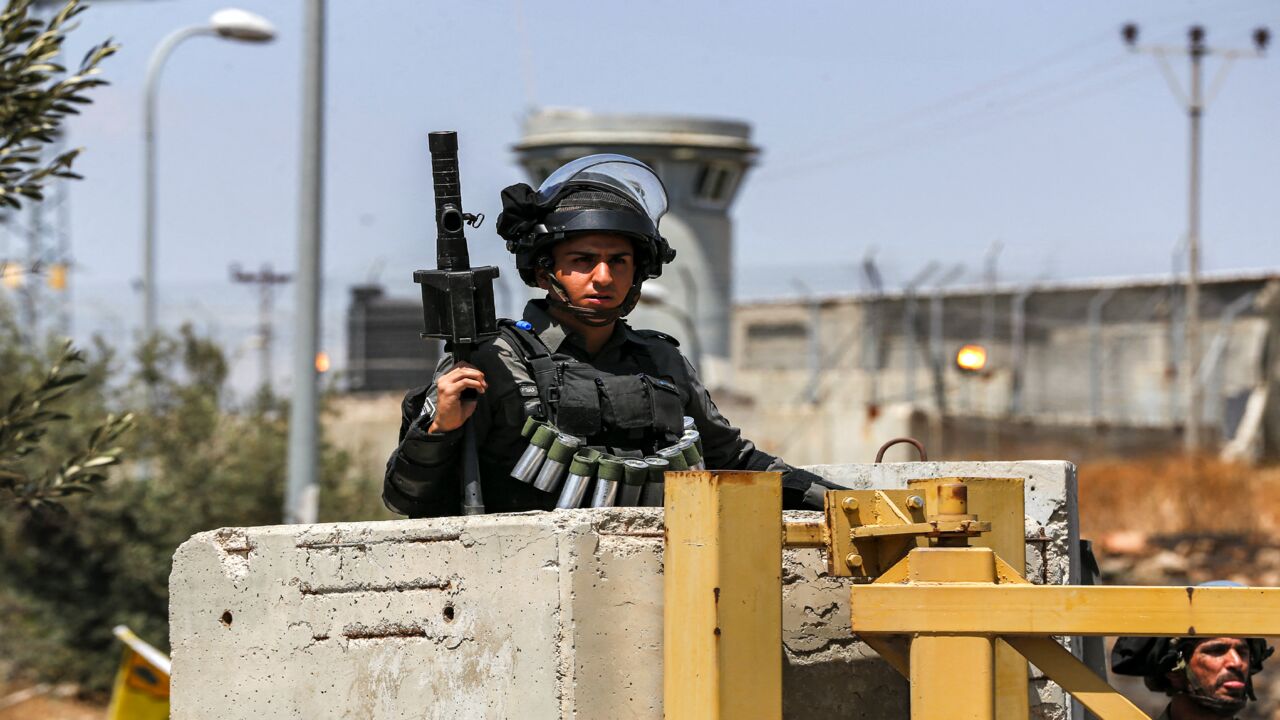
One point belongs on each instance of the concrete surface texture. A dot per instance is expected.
(532, 615)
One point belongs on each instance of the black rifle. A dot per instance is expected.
(457, 299)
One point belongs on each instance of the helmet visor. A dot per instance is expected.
(624, 176)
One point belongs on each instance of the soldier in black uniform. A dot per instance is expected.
(588, 237)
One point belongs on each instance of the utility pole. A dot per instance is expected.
(1195, 104)
(266, 279)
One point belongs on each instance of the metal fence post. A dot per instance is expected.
(722, 596)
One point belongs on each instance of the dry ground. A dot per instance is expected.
(1177, 496)
(22, 702)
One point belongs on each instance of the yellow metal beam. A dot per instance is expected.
(804, 534)
(1064, 610)
(989, 498)
(1076, 678)
(952, 676)
(900, 572)
(722, 615)
(1000, 501)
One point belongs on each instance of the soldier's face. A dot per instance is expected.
(596, 270)
(1220, 667)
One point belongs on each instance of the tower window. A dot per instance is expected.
(715, 183)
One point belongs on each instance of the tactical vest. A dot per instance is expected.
(627, 415)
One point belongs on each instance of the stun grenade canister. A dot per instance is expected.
(581, 471)
(692, 446)
(635, 472)
(695, 437)
(609, 473)
(674, 456)
(531, 426)
(557, 463)
(656, 483)
(530, 462)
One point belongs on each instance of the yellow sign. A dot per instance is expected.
(141, 690)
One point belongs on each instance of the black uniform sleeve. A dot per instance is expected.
(725, 449)
(422, 471)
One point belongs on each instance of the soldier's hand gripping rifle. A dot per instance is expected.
(457, 299)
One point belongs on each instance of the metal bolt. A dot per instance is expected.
(849, 504)
(915, 502)
(853, 560)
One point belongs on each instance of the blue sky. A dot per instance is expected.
(928, 130)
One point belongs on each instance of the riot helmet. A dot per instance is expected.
(604, 193)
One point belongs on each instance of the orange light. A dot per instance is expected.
(322, 362)
(971, 358)
(58, 276)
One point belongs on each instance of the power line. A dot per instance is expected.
(934, 109)
(964, 123)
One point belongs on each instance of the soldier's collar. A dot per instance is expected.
(630, 334)
(554, 334)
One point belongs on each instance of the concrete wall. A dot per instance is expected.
(1040, 368)
(533, 615)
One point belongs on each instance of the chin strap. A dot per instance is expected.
(558, 298)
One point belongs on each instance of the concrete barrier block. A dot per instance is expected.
(532, 615)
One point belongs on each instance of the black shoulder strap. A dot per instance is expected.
(535, 353)
(526, 343)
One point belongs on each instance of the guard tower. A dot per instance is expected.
(702, 162)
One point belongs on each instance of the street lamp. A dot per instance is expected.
(230, 24)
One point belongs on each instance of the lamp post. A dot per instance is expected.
(302, 485)
(231, 24)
